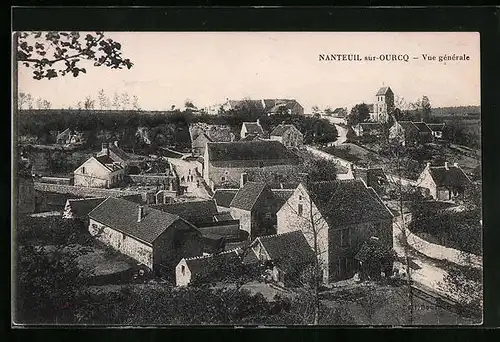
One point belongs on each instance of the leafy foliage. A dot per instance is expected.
(359, 113)
(40, 51)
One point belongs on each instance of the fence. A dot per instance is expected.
(81, 191)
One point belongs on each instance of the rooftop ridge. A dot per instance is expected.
(280, 234)
(200, 257)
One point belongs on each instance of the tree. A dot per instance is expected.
(359, 113)
(29, 101)
(46, 104)
(328, 111)
(42, 51)
(88, 103)
(189, 104)
(39, 103)
(125, 101)
(135, 103)
(315, 109)
(22, 99)
(422, 109)
(116, 101)
(103, 100)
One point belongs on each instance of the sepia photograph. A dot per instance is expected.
(246, 179)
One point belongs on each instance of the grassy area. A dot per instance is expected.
(379, 304)
(356, 154)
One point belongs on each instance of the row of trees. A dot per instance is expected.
(28, 101)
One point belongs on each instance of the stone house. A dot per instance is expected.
(154, 238)
(253, 129)
(207, 268)
(373, 177)
(343, 215)
(223, 198)
(367, 128)
(199, 144)
(424, 132)
(116, 154)
(445, 182)
(255, 206)
(195, 212)
(288, 135)
(437, 129)
(287, 255)
(404, 132)
(68, 136)
(99, 172)
(225, 162)
(282, 106)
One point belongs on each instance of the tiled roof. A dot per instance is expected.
(275, 103)
(119, 152)
(452, 178)
(345, 202)
(79, 208)
(253, 128)
(250, 137)
(340, 111)
(282, 195)
(370, 125)
(121, 215)
(407, 125)
(383, 91)
(108, 163)
(224, 216)
(195, 212)
(230, 230)
(206, 265)
(422, 127)
(436, 126)
(250, 150)
(247, 196)
(200, 139)
(281, 129)
(223, 197)
(287, 250)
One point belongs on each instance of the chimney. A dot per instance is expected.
(116, 143)
(258, 122)
(105, 148)
(140, 214)
(455, 164)
(282, 122)
(243, 179)
(428, 165)
(446, 166)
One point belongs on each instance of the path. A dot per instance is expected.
(342, 136)
(184, 169)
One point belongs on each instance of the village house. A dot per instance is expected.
(288, 135)
(445, 182)
(251, 128)
(437, 129)
(116, 154)
(207, 268)
(199, 144)
(223, 197)
(404, 132)
(340, 112)
(225, 162)
(342, 214)
(286, 255)
(99, 172)
(195, 212)
(68, 136)
(154, 238)
(424, 132)
(79, 208)
(255, 206)
(367, 128)
(383, 106)
(373, 177)
(282, 106)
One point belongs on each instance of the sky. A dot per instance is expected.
(209, 67)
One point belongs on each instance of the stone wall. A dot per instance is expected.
(122, 243)
(170, 182)
(147, 196)
(57, 180)
(245, 219)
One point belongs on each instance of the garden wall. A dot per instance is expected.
(147, 196)
(444, 253)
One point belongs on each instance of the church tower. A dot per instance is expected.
(384, 104)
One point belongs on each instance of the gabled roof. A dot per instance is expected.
(422, 127)
(247, 196)
(407, 125)
(273, 104)
(229, 230)
(367, 126)
(224, 216)
(195, 212)
(436, 126)
(340, 110)
(200, 138)
(81, 207)
(250, 150)
(287, 250)
(108, 163)
(64, 133)
(383, 91)
(454, 177)
(281, 129)
(206, 265)
(250, 137)
(253, 128)
(282, 195)
(121, 215)
(241, 103)
(223, 197)
(344, 202)
(119, 152)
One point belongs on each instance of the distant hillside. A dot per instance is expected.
(460, 111)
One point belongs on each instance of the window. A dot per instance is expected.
(345, 237)
(300, 197)
(300, 209)
(183, 269)
(261, 164)
(267, 215)
(83, 169)
(223, 179)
